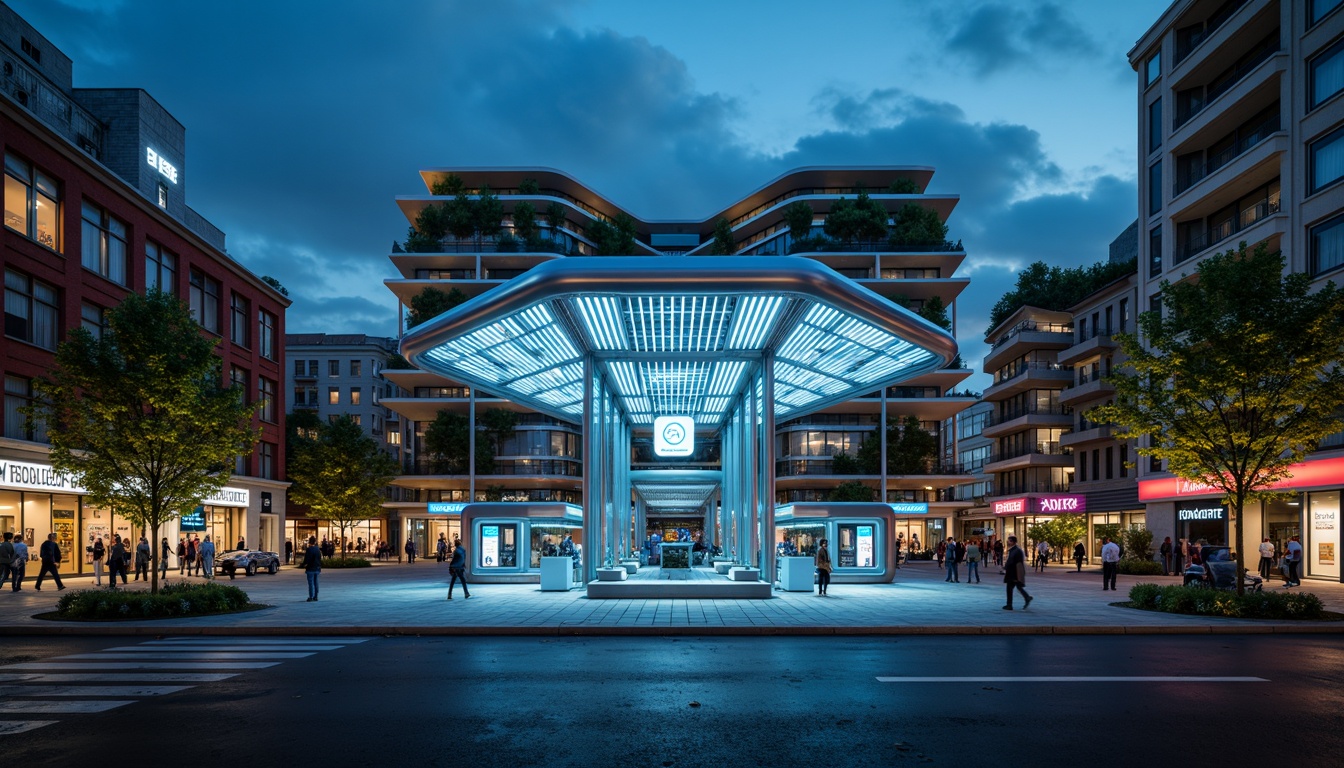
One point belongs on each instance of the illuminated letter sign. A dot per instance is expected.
(158, 163)
(1062, 504)
(445, 507)
(910, 507)
(674, 435)
(1010, 507)
(1202, 513)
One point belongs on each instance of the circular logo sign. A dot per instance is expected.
(673, 434)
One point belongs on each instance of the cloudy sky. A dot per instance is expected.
(305, 119)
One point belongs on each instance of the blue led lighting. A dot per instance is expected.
(753, 320)
(601, 315)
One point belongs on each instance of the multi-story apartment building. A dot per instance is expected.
(540, 460)
(342, 374)
(95, 207)
(1241, 139)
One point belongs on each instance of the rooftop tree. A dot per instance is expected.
(799, 216)
(339, 474)
(432, 302)
(140, 415)
(1234, 378)
(724, 242)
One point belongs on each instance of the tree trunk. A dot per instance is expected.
(153, 560)
(1238, 534)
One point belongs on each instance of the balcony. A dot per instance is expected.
(1003, 489)
(1093, 434)
(1226, 229)
(1097, 344)
(1191, 103)
(1030, 376)
(1088, 387)
(1189, 175)
(1191, 37)
(1019, 419)
(821, 468)
(1040, 448)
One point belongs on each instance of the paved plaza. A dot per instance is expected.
(393, 598)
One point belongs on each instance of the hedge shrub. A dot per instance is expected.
(345, 562)
(1139, 568)
(1202, 601)
(173, 600)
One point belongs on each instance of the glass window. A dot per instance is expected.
(1327, 246)
(160, 269)
(32, 203)
(104, 246)
(1327, 74)
(163, 196)
(356, 368)
(1153, 69)
(266, 452)
(240, 318)
(266, 325)
(547, 541)
(298, 368)
(1327, 160)
(203, 300)
(31, 313)
(92, 319)
(1323, 534)
(1155, 252)
(354, 395)
(333, 395)
(19, 393)
(333, 368)
(1155, 188)
(856, 545)
(266, 392)
(239, 378)
(312, 369)
(1319, 9)
(1154, 125)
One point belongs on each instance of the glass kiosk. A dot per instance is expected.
(509, 539)
(859, 534)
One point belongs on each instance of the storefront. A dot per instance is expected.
(1019, 514)
(508, 539)
(1310, 510)
(1103, 524)
(913, 529)
(859, 534)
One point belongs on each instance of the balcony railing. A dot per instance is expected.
(1186, 111)
(1049, 448)
(1187, 177)
(1225, 229)
(996, 417)
(800, 468)
(1025, 368)
(551, 467)
(1188, 39)
(1011, 489)
(1029, 326)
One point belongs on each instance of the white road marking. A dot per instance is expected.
(1076, 679)
(91, 690)
(130, 677)
(13, 677)
(125, 665)
(203, 656)
(22, 707)
(260, 640)
(11, 727)
(204, 648)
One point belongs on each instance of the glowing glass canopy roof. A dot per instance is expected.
(678, 336)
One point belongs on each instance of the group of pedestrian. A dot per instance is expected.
(14, 557)
(969, 551)
(194, 556)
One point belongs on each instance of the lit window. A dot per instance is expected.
(1327, 246)
(163, 196)
(1327, 160)
(31, 312)
(32, 203)
(203, 300)
(333, 395)
(1327, 74)
(354, 395)
(160, 269)
(104, 246)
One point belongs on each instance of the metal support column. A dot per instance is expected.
(882, 429)
(768, 467)
(591, 511)
(471, 446)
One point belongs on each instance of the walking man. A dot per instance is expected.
(457, 568)
(1042, 554)
(116, 561)
(6, 555)
(442, 548)
(312, 567)
(1292, 556)
(1110, 563)
(208, 558)
(50, 552)
(410, 551)
(163, 558)
(1015, 574)
(973, 562)
(950, 553)
(142, 558)
(1266, 557)
(16, 568)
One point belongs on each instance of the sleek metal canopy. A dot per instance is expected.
(677, 336)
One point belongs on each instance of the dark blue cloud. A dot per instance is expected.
(998, 36)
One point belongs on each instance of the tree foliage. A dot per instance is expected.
(799, 216)
(339, 474)
(447, 441)
(935, 311)
(910, 449)
(529, 186)
(914, 225)
(851, 491)
(139, 417)
(724, 242)
(432, 302)
(613, 238)
(1056, 288)
(525, 223)
(1060, 532)
(903, 186)
(1238, 377)
(861, 219)
(271, 281)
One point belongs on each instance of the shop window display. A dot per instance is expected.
(499, 545)
(550, 541)
(798, 541)
(1323, 537)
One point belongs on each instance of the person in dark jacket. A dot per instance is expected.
(1079, 555)
(312, 567)
(116, 561)
(457, 567)
(191, 557)
(1015, 574)
(98, 551)
(142, 558)
(289, 551)
(181, 556)
(50, 552)
(410, 551)
(164, 553)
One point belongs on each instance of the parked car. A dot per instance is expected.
(1219, 570)
(249, 561)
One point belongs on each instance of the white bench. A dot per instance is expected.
(612, 574)
(744, 574)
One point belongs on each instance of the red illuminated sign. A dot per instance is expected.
(1309, 474)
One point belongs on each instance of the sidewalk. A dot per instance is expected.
(392, 598)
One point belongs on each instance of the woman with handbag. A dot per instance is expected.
(823, 567)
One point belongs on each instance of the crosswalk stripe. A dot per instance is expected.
(14, 677)
(261, 640)
(129, 677)
(59, 707)
(91, 690)
(198, 648)
(11, 727)
(123, 666)
(203, 656)
(1076, 679)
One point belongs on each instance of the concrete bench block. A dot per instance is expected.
(723, 567)
(745, 574)
(612, 574)
(631, 566)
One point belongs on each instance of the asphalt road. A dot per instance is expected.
(833, 702)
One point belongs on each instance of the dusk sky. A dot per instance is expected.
(306, 119)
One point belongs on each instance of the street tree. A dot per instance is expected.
(447, 438)
(139, 415)
(852, 490)
(910, 448)
(432, 302)
(339, 474)
(1234, 378)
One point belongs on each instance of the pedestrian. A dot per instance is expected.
(164, 553)
(208, 558)
(900, 544)
(1292, 556)
(410, 551)
(116, 561)
(1110, 563)
(998, 552)
(442, 548)
(823, 567)
(289, 551)
(242, 543)
(142, 558)
(181, 556)
(312, 567)
(1015, 574)
(97, 551)
(457, 569)
(191, 557)
(1079, 555)
(50, 553)
(950, 554)
(1184, 550)
(1042, 554)
(1166, 550)
(973, 562)
(1266, 557)
(6, 556)
(19, 564)
(940, 552)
